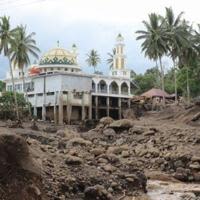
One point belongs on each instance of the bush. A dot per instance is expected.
(7, 106)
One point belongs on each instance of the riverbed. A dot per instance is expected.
(163, 190)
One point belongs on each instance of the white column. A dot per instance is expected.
(83, 107)
(120, 108)
(90, 106)
(60, 107)
(35, 107)
(55, 108)
(119, 85)
(96, 85)
(129, 89)
(69, 107)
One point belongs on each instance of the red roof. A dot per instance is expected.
(34, 71)
(155, 93)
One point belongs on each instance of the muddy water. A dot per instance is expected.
(160, 190)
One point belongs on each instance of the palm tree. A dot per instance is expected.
(188, 55)
(176, 38)
(22, 47)
(93, 59)
(6, 35)
(110, 60)
(154, 44)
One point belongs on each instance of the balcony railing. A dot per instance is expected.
(114, 92)
(124, 92)
(102, 90)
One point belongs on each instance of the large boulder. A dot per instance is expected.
(51, 129)
(129, 114)
(109, 133)
(18, 170)
(73, 160)
(96, 192)
(106, 121)
(117, 149)
(122, 124)
(80, 141)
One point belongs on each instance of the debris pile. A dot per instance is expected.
(20, 176)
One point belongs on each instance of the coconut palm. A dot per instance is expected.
(176, 39)
(22, 47)
(154, 45)
(93, 59)
(110, 60)
(188, 54)
(6, 35)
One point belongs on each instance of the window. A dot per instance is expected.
(9, 88)
(78, 95)
(30, 95)
(66, 69)
(29, 86)
(40, 94)
(50, 93)
(18, 87)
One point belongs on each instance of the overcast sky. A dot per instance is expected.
(91, 24)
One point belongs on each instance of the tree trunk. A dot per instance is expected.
(162, 75)
(25, 90)
(14, 91)
(175, 82)
(162, 78)
(188, 86)
(158, 80)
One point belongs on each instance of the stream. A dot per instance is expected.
(162, 190)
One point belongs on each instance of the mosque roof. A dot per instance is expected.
(58, 56)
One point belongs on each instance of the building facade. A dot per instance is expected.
(59, 91)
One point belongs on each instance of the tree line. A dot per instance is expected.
(18, 46)
(149, 79)
(174, 37)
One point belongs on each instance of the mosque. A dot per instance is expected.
(60, 91)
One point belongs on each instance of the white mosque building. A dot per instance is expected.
(58, 90)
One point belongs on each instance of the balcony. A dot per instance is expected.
(102, 90)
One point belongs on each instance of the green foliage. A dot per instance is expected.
(7, 106)
(22, 47)
(175, 37)
(194, 81)
(93, 59)
(2, 86)
(147, 80)
(110, 59)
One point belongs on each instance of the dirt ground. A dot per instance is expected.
(110, 162)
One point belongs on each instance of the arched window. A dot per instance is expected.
(102, 87)
(93, 86)
(124, 88)
(114, 88)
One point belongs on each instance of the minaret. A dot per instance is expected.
(74, 48)
(74, 51)
(119, 57)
